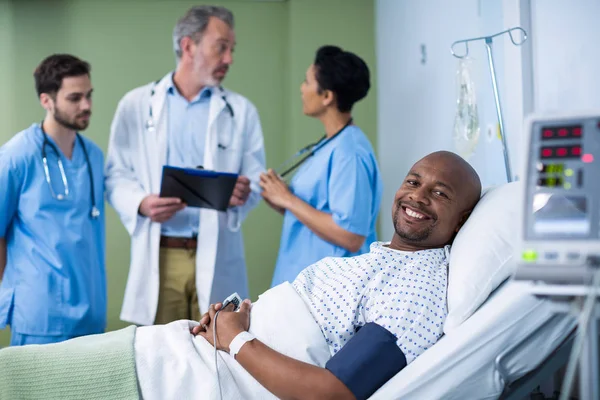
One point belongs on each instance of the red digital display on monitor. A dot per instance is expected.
(561, 152)
(547, 153)
(562, 132)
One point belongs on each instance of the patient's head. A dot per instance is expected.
(435, 199)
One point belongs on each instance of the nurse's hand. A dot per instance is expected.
(241, 191)
(160, 209)
(275, 191)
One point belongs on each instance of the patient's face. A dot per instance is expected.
(431, 204)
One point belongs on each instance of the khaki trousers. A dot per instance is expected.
(177, 297)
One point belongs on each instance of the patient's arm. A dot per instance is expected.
(283, 376)
(2, 256)
(288, 378)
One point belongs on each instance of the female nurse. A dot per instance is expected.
(331, 205)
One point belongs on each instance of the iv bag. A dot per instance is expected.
(466, 122)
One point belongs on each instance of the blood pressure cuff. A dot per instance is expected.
(368, 360)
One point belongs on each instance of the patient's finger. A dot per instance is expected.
(216, 306)
(245, 306)
(196, 330)
(229, 307)
(205, 319)
(212, 311)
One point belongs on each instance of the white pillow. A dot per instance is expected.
(481, 255)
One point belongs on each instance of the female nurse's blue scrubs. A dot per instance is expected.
(342, 178)
(54, 285)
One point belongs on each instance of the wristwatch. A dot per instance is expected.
(241, 339)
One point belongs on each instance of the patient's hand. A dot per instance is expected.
(205, 320)
(229, 324)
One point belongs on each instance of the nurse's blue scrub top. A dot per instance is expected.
(54, 282)
(342, 178)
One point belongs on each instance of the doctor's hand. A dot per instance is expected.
(229, 325)
(160, 209)
(275, 191)
(241, 191)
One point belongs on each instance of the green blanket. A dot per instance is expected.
(88, 367)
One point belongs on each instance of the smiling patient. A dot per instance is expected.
(345, 325)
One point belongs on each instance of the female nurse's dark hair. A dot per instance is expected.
(344, 73)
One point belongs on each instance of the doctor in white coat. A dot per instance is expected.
(183, 258)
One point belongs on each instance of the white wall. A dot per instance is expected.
(566, 52)
(417, 101)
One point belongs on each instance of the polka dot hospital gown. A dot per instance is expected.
(404, 292)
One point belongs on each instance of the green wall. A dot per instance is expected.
(128, 43)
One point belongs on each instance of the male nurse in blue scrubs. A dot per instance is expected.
(53, 283)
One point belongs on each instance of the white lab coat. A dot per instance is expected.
(133, 170)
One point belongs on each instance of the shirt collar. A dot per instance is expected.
(382, 247)
(205, 93)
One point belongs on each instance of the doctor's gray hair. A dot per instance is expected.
(194, 23)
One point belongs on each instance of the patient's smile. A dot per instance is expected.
(413, 214)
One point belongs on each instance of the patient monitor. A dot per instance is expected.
(559, 250)
(560, 231)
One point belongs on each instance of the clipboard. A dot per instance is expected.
(198, 187)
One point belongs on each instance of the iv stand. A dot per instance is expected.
(488, 45)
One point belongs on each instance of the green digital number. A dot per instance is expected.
(555, 168)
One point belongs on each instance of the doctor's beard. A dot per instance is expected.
(75, 123)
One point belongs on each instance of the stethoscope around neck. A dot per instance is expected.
(94, 212)
(150, 127)
(313, 148)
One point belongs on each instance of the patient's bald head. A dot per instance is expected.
(435, 199)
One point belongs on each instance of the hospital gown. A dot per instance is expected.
(404, 292)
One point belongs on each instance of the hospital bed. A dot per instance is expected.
(504, 350)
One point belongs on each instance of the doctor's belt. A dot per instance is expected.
(178, 242)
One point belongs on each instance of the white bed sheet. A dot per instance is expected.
(462, 364)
